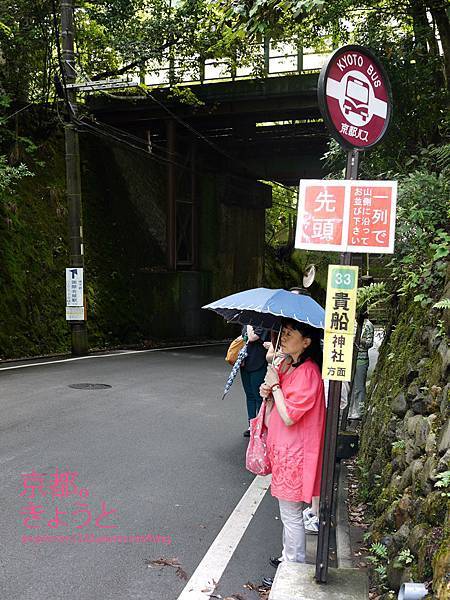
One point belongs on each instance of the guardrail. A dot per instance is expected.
(269, 60)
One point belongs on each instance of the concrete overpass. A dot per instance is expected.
(268, 128)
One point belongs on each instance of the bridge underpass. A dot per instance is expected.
(197, 185)
(268, 129)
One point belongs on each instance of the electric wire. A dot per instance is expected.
(209, 142)
(94, 129)
(122, 137)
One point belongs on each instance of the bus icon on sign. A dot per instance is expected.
(356, 99)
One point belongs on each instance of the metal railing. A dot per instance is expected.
(269, 60)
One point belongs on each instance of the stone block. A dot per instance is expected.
(430, 446)
(444, 463)
(396, 575)
(416, 470)
(422, 431)
(444, 351)
(444, 438)
(416, 537)
(399, 406)
(401, 536)
(295, 581)
(413, 390)
(425, 405)
(411, 424)
(403, 511)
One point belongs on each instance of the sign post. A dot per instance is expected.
(354, 96)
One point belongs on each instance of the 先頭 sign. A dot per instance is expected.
(339, 322)
(346, 216)
(354, 96)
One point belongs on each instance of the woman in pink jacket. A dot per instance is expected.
(295, 416)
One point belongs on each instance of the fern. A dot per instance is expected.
(371, 295)
(443, 304)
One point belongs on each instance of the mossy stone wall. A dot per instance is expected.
(405, 446)
(131, 296)
(33, 256)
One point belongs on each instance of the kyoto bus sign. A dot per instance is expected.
(354, 96)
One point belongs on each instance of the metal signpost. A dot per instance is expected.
(354, 96)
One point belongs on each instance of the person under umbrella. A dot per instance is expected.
(294, 393)
(253, 370)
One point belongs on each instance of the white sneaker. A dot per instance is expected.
(311, 522)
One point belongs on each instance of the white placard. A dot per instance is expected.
(74, 286)
(74, 313)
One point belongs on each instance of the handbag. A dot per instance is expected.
(233, 350)
(257, 458)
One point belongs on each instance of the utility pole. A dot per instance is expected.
(73, 175)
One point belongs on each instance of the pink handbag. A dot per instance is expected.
(257, 458)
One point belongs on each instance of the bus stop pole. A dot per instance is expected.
(331, 432)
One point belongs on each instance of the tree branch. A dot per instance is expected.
(135, 63)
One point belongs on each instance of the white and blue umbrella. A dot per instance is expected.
(263, 307)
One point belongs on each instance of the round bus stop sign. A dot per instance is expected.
(354, 96)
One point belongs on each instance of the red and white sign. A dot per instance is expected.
(354, 97)
(346, 216)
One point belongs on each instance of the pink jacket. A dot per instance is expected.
(295, 452)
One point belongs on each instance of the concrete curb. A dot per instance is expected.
(295, 581)
(343, 545)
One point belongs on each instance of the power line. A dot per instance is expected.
(208, 141)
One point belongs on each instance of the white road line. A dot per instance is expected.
(63, 360)
(208, 573)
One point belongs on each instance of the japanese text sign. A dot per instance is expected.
(346, 216)
(339, 322)
(74, 294)
(355, 97)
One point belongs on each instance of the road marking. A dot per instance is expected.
(63, 360)
(208, 573)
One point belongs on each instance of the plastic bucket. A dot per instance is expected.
(412, 591)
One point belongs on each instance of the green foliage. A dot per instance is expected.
(378, 558)
(280, 218)
(405, 557)
(371, 295)
(443, 483)
(10, 177)
(442, 304)
(398, 446)
(422, 242)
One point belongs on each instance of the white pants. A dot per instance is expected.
(294, 539)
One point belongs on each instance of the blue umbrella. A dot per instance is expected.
(240, 357)
(263, 307)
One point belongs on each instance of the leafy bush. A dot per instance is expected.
(422, 239)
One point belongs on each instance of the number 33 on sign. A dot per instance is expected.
(339, 322)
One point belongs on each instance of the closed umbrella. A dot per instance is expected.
(240, 357)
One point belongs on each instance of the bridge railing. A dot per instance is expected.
(268, 60)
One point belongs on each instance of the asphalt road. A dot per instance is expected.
(159, 447)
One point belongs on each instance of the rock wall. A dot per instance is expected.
(405, 450)
(132, 298)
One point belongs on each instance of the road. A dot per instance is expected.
(159, 448)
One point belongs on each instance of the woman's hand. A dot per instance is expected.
(269, 403)
(264, 391)
(272, 377)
